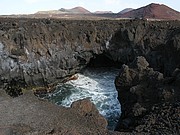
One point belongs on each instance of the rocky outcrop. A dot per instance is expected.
(29, 115)
(43, 51)
(156, 41)
(148, 99)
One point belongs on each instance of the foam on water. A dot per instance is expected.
(95, 84)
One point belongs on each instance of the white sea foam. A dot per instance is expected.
(96, 84)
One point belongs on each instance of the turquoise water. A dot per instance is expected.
(95, 84)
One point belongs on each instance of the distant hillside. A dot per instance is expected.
(50, 12)
(153, 11)
(76, 10)
(79, 10)
(103, 12)
(126, 10)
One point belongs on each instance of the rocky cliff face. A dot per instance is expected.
(42, 51)
(157, 41)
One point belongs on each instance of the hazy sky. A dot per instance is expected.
(32, 6)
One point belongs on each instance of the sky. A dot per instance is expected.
(8, 7)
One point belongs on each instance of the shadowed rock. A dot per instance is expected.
(144, 95)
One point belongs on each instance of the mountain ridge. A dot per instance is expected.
(152, 11)
(75, 10)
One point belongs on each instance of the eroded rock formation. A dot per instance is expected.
(43, 51)
(150, 102)
(157, 41)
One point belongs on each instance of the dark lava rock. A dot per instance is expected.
(44, 51)
(29, 115)
(162, 119)
(150, 102)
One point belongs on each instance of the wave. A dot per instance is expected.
(95, 84)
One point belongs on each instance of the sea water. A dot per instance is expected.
(95, 84)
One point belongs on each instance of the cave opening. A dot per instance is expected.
(103, 60)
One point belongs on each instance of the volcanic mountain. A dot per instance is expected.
(153, 11)
(80, 10)
(76, 10)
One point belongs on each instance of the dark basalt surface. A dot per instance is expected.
(42, 52)
(150, 102)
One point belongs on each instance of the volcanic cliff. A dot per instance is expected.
(41, 52)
